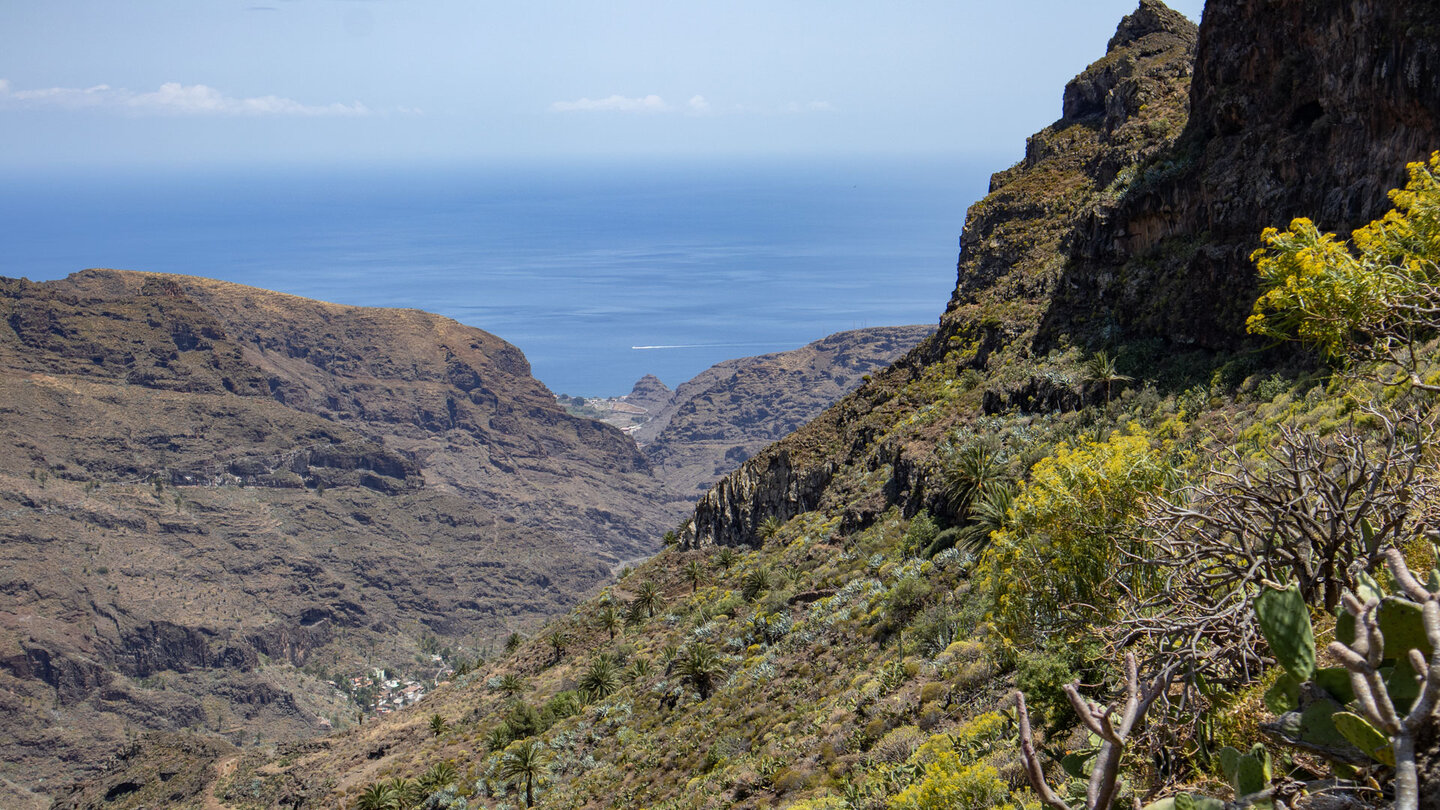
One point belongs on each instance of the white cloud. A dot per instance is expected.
(699, 105)
(172, 98)
(616, 103)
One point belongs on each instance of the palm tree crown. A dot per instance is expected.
(700, 666)
(526, 762)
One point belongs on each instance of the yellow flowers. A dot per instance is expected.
(1318, 289)
(949, 784)
(1061, 547)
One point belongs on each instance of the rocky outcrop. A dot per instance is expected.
(1133, 216)
(1120, 113)
(156, 770)
(1297, 109)
(731, 512)
(71, 675)
(650, 393)
(732, 410)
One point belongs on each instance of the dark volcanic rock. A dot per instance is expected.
(1131, 217)
(1120, 113)
(1297, 109)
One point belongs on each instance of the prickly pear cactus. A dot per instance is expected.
(1285, 622)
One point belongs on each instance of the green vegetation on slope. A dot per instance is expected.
(829, 668)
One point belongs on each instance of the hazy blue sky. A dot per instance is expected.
(212, 81)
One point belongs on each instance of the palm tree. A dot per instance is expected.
(557, 640)
(608, 619)
(634, 614)
(639, 668)
(756, 583)
(1101, 368)
(512, 643)
(599, 679)
(498, 738)
(438, 724)
(647, 598)
(512, 685)
(401, 794)
(990, 514)
(966, 473)
(375, 797)
(700, 666)
(769, 527)
(694, 572)
(725, 558)
(527, 762)
(438, 777)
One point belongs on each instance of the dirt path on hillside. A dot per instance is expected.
(223, 768)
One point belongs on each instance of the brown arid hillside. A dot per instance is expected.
(732, 410)
(213, 498)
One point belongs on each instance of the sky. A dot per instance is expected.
(186, 83)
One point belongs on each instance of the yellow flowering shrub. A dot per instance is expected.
(1337, 297)
(1059, 548)
(947, 783)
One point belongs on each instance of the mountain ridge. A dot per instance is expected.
(183, 457)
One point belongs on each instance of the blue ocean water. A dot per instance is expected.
(577, 264)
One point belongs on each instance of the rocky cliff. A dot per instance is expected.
(712, 423)
(1129, 224)
(204, 487)
(1120, 113)
(1297, 109)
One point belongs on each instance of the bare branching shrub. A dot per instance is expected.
(1113, 724)
(1312, 510)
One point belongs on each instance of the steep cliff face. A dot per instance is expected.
(1297, 109)
(1131, 218)
(1122, 111)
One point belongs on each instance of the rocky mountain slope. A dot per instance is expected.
(795, 700)
(846, 616)
(1130, 223)
(204, 487)
(732, 410)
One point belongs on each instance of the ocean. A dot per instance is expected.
(600, 272)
